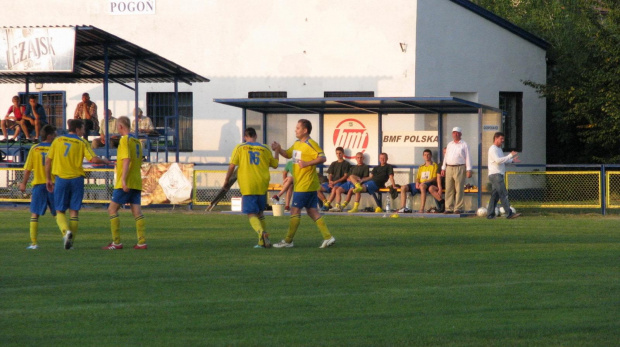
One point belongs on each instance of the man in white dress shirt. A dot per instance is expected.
(456, 165)
(497, 169)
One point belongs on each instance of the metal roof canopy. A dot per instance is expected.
(103, 57)
(90, 60)
(375, 105)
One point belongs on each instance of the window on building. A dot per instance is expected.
(54, 105)
(160, 107)
(511, 104)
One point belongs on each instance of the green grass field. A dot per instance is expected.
(541, 280)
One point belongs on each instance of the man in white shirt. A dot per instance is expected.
(497, 169)
(456, 165)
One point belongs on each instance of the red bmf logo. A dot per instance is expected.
(351, 134)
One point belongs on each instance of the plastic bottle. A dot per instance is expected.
(387, 204)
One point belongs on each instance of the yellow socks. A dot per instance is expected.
(61, 220)
(292, 227)
(355, 206)
(73, 225)
(141, 229)
(320, 223)
(115, 228)
(34, 229)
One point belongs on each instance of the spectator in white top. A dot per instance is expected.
(497, 170)
(456, 165)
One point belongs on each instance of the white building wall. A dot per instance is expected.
(460, 53)
(302, 47)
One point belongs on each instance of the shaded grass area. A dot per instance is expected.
(544, 280)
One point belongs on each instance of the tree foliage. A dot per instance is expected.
(583, 82)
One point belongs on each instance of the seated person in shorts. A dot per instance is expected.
(337, 174)
(377, 179)
(13, 121)
(426, 180)
(358, 170)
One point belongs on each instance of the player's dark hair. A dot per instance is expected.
(386, 156)
(428, 151)
(75, 124)
(306, 124)
(250, 132)
(340, 149)
(33, 97)
(47, 131)
(498, 134)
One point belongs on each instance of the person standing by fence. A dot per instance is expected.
(497, 171)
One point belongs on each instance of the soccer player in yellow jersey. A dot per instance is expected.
(253, 160)
(64, 164)
(128, 186)
(306, 154)
(41, 198)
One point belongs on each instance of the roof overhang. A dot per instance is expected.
(375, 105)
(91, 46)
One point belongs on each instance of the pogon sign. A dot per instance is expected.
(120, 7)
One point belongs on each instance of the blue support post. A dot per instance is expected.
(380, 127)
(321, 140)
(264, 128)
(106, 96)
(479, 157)
(176, 116)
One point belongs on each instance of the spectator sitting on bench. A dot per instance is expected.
(34, 118)
(371, 184)
(425, 180)
(336, 176)
(13, 121)
(87, 112)
(287, 186)
(145, 125)
(114, 136)
(359, 170)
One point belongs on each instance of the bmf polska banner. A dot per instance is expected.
(37, 49)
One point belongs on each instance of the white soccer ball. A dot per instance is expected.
(503, 211)
(482, 212)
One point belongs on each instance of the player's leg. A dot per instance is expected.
(289, 196)
(313, 213)
(298, 203)
(75, 204)
(115, 223)
(61, 202)
(252, 208)
(136, 210)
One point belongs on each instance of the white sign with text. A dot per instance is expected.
(411, 138)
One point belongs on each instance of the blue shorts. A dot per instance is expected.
(253, 204)
(133, 196)
(305, 199)
(41, 200)
(413, 190)
(326, 187)
(346, 186)
(371, 186)
(68, 193)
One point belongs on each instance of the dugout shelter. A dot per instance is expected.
(479, 122)
(86, 54)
